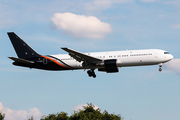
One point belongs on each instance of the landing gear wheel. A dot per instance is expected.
(94, 76)
(160, 67)
(91, 73)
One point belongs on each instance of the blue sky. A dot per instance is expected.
(137, 93)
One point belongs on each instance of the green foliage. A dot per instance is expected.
(2, 116)
(88, 113)
(57, 116)
(107, 116)
(31, 118)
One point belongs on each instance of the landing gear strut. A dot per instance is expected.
(91, 73)
(160, 67)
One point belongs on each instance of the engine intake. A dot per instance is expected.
(110, 66)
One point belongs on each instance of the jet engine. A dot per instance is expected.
(110, 66)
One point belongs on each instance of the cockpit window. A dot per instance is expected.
(166, 53)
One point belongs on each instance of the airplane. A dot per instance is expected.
(103, 61)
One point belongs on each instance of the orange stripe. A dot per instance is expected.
(54, 61)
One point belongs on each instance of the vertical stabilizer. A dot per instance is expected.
(22, 49)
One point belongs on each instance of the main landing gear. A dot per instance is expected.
(91, 73)
(160, 67)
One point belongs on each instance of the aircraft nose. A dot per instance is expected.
(170, 57)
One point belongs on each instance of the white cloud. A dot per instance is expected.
(5, 17)
(20, 114)
(149, 0)
(80, 106)
(104, 4)
(81, 26)
(173, 2)
(176, 26)
(173, 65)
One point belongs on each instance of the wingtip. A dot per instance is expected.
(10, 57)
(63, 48)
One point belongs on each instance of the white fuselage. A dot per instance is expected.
(124, 58)
(103, 61)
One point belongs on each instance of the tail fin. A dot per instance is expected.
(22, 49)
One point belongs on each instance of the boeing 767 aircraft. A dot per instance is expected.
(74, 60)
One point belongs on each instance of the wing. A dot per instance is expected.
(81, 56)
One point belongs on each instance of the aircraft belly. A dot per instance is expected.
(74, 64)
(50, 66)
(137, 62)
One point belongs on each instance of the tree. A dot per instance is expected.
(107, 116)
(57, 116)
(88, 113)
(31, 118)
(2, 116)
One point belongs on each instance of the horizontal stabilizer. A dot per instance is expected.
(20, 60)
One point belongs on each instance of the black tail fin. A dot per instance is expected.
(22, 49)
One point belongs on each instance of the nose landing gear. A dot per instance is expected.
(91, 73)
(160, 67)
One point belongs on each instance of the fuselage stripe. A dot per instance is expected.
(60, 61)
(55, 61)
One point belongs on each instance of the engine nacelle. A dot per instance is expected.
(110, 66)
